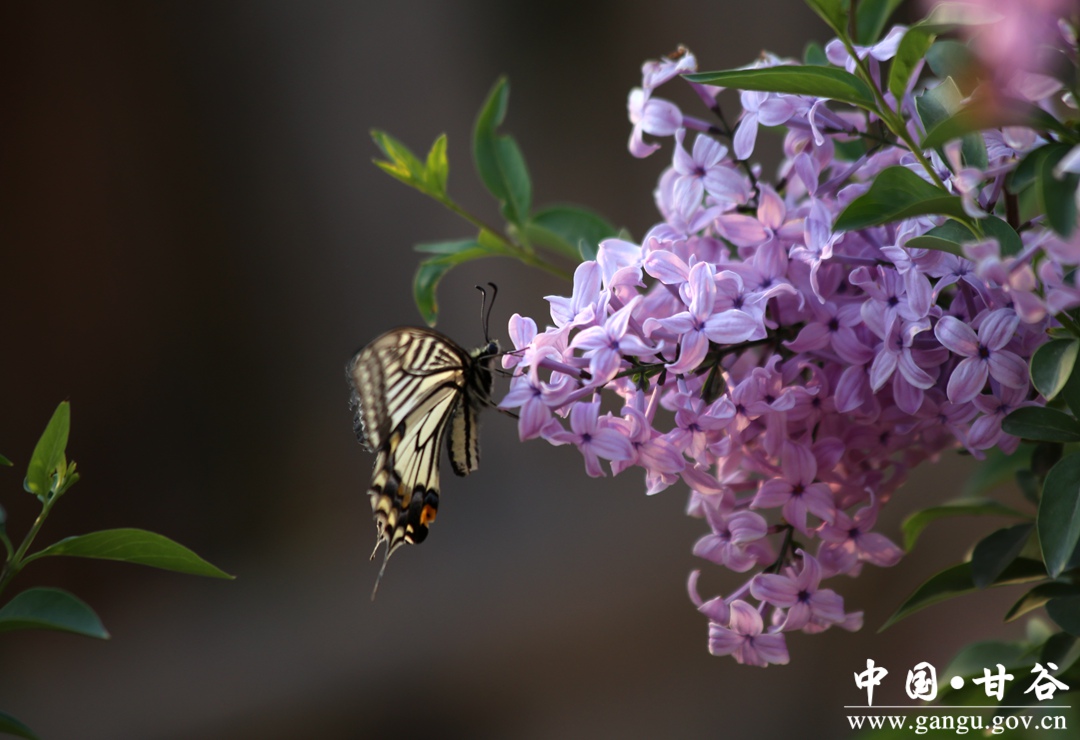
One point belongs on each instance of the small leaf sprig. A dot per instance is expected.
(50, 475)
(545, 238)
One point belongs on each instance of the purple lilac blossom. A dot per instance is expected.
(790, 374)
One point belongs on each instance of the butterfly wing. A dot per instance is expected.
(408, 386)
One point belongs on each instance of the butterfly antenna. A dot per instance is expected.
(485, 308)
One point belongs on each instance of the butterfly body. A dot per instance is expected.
(412, 388)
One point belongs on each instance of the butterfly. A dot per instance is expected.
(411, 389)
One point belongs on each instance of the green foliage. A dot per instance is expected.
(570, 230)
(49, 453)
(499, 160)
(897, 193)
(49, 475)
(940, 104)
(981, 114)
(1052, 364)
(1065, 610)
(1055, 195)
(952, 234)
(564, 233)
(959, 579)
(429, 177)
(1059, 514)
(135, 546)
(833, 12)
(915, 523)
(871, 19)
(913, 48)
(949, 58)
(1042, 425)
(432, 270)
(814, 55)
(51, 609)
(997, 551)
(822, 82)
(1049, 475)
(1038, 597)
(11, 726)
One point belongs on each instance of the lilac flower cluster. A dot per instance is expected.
(791, 375)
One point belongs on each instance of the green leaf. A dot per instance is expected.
(996, 551)
(437, 167)
(51, 609)
(871, 20)
(949, 58)
(1059, 514)
(499, 160)
(400, 163)
(569, 230)
(957, 580)
(849, 151)
(1029, 485)
(912, 49)
(989, 113)
(971, 659)
(1060, 648)
(940, 103)
(454, 246)
(948, 16)
(997, 469)
(1057, 198)
(135, 546)
(1065, 610)
(1053, 197)
(1007, 238)
(1038, 596)
(1071, 392)
(49, 451)
(814, 55)
(897, 193)
(1044, 457)
(952, 234)
(915, 523)
(820, 82)
(430, 272)
(1041, 424)
(1052, 364)
(937, 103)
(11, 726)
(833, 13)
(5, 461)
(1026, 171)
(945, 238)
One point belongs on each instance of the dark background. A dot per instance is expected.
(195, 240)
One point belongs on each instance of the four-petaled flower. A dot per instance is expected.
(744, 638)
(984, 354)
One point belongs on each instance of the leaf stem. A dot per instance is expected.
(889, 117)
(16, 561)
(504, 246)
(1068, 322)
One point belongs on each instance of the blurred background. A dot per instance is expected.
(194, 242)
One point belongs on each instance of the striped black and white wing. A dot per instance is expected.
(410, 386)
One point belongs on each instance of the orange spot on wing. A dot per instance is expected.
(427, 514)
